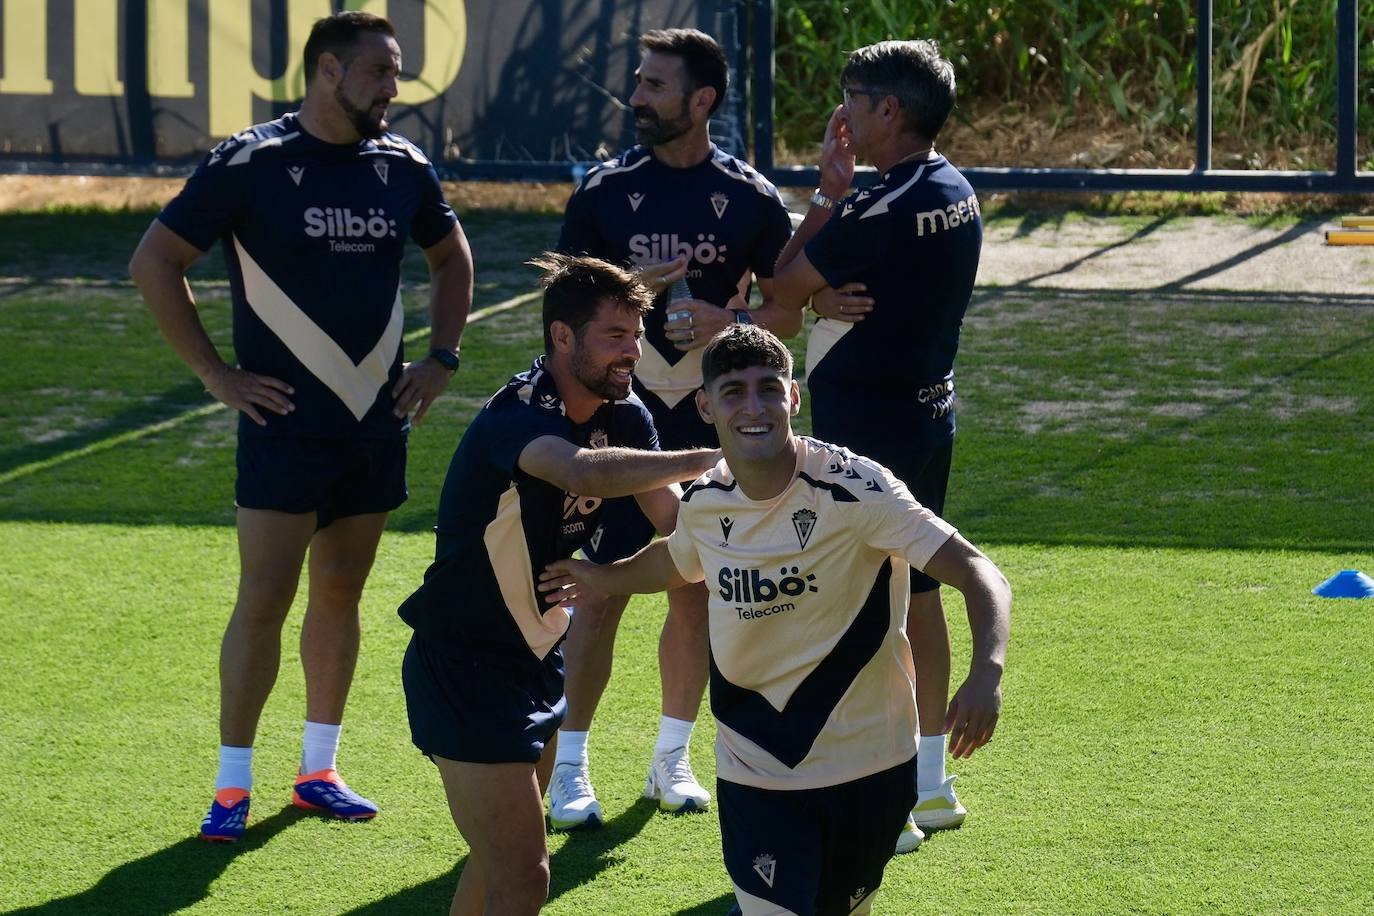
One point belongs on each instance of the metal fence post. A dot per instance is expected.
(763, 85)
(1347, 55)
(1204, 86)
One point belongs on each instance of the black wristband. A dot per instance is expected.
(447, 358)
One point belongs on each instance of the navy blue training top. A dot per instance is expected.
(499, 527)
(914, 239)
(634, 210)
(313, 236)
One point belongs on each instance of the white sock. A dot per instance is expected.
(930, 763)
(235, 768)
(572, 748)
(672, 734)
(319, 747)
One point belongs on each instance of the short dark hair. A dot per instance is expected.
(743, 346)
(915, 73)
(576, 285)
(337, 34)
(701, 57)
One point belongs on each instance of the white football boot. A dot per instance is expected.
(572, 803)
(673, 784)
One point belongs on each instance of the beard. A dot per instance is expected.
(598, 379)
(659, 130)
(368, 125)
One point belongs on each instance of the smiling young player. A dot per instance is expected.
(805, 548)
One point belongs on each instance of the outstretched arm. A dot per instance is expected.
(608, 472)
(647, 572)
(974, 710)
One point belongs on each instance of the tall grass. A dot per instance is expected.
(1274, 66)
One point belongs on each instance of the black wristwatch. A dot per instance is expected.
(447, 358)
(742, 316)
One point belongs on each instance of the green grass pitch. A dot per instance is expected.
(1163, 476)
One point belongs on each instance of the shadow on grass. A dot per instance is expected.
(718, 907)
(171, 404)
(166, 881)
(584, 856)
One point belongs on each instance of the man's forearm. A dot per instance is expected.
(450, 299)
(987, 598)
(783, 322)
(648, 572)
(611, 472)
(169, 298)
(816, 217)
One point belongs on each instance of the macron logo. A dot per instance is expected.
(635, 201)
(951, 217)
(296, 172)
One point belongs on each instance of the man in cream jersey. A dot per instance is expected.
(805, 547)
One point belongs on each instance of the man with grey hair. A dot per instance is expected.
(894, 266)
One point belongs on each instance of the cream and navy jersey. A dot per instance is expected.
(914, 240)
(499, 527)
(634, 210)
(811, 683)
(313, 235)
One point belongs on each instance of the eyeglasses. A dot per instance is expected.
(850, 92)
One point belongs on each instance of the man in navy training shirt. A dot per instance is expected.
(697, 224)
(313, 209)
(483, 673)
(895, 264)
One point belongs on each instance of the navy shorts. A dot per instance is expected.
(813, 852)
(918, 451)
(623, 528)
(481, 710)
(333, 478)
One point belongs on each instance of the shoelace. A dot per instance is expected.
(573, 781)
(677, 768)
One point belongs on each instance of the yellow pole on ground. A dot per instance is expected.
(1350, 237)
(1357, 222)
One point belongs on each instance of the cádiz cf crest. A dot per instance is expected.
(804, 522)
(719, 201)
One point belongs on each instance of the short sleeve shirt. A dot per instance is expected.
(810, 682)
(313, 236)
(634, 210)
(499, 527)
(914, 240)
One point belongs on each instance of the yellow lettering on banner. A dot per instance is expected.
(446, 37)
(25, 28)
(96, 24)
(169, 56)
(234, 81)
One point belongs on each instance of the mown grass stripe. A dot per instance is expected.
(152, 429)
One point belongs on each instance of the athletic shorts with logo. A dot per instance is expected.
(332, 477)
(813, 852)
